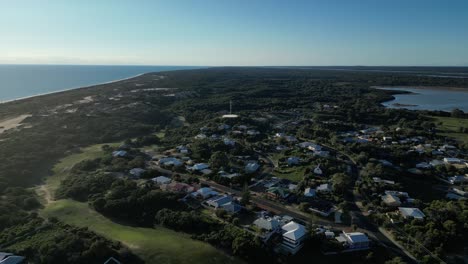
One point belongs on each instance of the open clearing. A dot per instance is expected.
(158, 245)
(449, 126)
(12, 122)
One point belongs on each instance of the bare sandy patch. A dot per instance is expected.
(10, 123)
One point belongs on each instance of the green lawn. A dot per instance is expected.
(449, 127)
(295, 173)
(152, 245)
(158, 245)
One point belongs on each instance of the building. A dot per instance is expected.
(177, 187)
(225, 202)
(293, 161)
(137, 172)
(391, 200)
(8, 258)
(199, 167)
(318, 170)
(267, 223)
(324, 188)
(251, 167)
(458, 179)
(309, 192)
(119, 153)
(354, 241)
(415, 213)
(161, 180)
(452, 161)
(205, 193)
(170, 161)
(293, 237)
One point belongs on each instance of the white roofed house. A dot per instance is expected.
(452, 161)
(354, 241)
(293, 237)
(324, 188)
(199, 167)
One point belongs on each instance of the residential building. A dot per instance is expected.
(251, 167)
(458, 179)
(161, 180)
(354, 241)
(9, 258)
(267, 223)
(324, 188)
(415, 213)
(205, 193)
(452, 161)
(293, 161)
(309, 192)
(119, 153)
(293, 237)
(391, 200)
(170, 161)
(199, 167)
(318, 170)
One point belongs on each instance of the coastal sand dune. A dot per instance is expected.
(13, 122)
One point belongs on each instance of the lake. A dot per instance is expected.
(428, 99)
(19, 81)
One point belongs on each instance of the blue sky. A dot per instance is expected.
(235, 32)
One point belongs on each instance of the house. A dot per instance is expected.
(277, 193)
(252, 132)
(267, 223)
(9, 258)
(459, 192)
(324, 188)
(251, 167)
(225, 202)
(229, 142)
(293, 161)
(305, 144)
(309, 192)
(415, 213)
(281, 148)
(293, 237)
(205, 193)
(199, 167)
(452, 161)
(219, 200)
(137, 172)
(224, 127)
(232, 207)
(170, 161)
(397, 193)
(228, 175)
(292, 187)
(435, 163)
(318, 170)
(458, 179)
(423, 165)
(183, 149)
(391, 200)
(354, 241)
(161, 180)
(200, 136)
(112, 260)
(119, 153)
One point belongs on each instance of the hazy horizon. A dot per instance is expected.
(241, 33)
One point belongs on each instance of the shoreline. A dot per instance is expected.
(69, 89)
(434, 88)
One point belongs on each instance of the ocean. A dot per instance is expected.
(19, 81)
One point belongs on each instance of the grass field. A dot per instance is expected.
(158, 245)
(152, 245)
(295, 173)
(449, 127)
